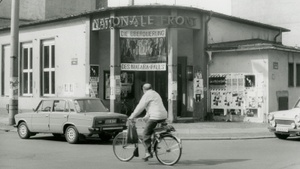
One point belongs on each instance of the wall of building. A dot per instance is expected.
(244, 62)
(284, 13)
(58, 8)
(29, 9)
(279, 78)
(70, 39)
(44, 9)
(221, 30)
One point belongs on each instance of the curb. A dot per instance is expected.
(189, 138)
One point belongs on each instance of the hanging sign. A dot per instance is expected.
(143, 50)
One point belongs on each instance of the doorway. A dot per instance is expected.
(158, 80)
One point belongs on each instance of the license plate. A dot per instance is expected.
(110, 121)
(282, 129)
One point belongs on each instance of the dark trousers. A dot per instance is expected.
(148, 131)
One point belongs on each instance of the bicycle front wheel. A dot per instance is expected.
(168, 150)
(123, 150)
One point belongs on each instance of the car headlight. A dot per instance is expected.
(273, 124)
(271, 117)
(293, 125)
(297, 119)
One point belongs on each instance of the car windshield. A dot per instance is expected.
(89, 105)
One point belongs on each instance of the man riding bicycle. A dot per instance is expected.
(156, 113)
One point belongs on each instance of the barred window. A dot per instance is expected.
(48, 68)
(26, 69)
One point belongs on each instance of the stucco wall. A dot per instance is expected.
(284, 13)
(252, 62)
(70, 39)
(29, 9)
(220, 30)
(279, 77)
(56, 8)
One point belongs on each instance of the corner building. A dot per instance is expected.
(110, 53)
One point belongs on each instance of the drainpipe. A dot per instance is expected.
(279, 33)
(207, 66)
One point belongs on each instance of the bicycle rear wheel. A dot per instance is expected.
(123, 150)
(168, 150)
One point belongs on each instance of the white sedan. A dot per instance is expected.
(285, 123)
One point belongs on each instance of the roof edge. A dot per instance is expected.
(208, 12)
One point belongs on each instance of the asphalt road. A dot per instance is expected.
(46, 152)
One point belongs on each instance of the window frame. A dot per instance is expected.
(28, 70)
(50, 61)
(298, 75)
(291, 69)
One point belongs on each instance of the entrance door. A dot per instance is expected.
(159, 82)
(182, 82)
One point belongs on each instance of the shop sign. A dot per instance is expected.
(143, 21)
(143, 66)
(143, 50)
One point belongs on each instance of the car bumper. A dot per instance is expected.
(284, 130)
(108, 129)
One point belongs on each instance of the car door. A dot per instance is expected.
(59, 116)
(40, 120)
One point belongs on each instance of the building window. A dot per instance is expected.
(26, 70)
(291, 75)
(298, 75)
(48, 68)
(5, 70)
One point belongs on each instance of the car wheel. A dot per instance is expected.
(23, 131)
(105, 137)
(72, 135)
(282, 136)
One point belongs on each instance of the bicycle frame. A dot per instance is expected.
(163, 144)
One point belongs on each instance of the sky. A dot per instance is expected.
(222, 6)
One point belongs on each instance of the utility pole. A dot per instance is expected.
(14, 32)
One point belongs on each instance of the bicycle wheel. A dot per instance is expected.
(122, 150)
(168, 150)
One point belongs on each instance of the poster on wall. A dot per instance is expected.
(127, 81)
(124, 85)
(107, 85)
(94, 80)
(143, 50)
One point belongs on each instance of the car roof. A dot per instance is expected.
(71, 98)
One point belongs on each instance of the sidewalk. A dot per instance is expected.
(198, 130)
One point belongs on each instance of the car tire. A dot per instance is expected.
(72, 135)
(105, 137)
(23, 131)
(282, 136)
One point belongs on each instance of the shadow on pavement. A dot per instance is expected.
(209, 161)
(62, 139)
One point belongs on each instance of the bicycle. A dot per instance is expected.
(127, 106)
(166, 147)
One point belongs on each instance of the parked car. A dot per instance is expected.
(71, 117)
(285, 123)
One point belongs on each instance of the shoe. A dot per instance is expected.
(147, 156)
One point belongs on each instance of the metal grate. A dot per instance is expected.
(284, 122)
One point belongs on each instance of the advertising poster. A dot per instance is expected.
(143, 50)
(107, 85)
(127, 81)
